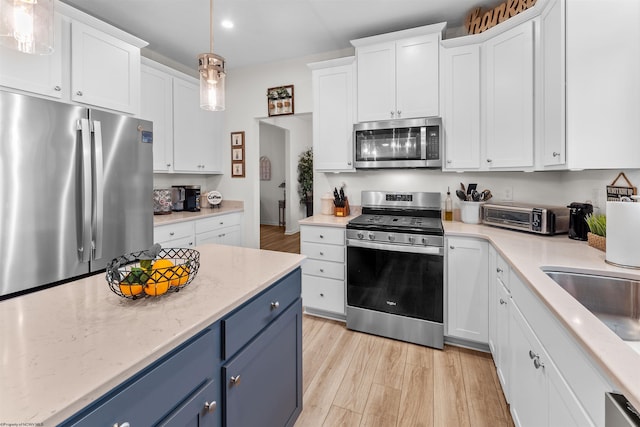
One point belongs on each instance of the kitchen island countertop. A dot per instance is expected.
(66, 346)
(527, 254)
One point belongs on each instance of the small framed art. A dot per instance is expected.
(280, 100)
(237, 154)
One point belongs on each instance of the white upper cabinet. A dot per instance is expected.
(333, 114)
(508, 105)
(196, 132)
(105, 71)
(41, 74)
(461, 101)
(156, 104)
(398, 74)
(93, 63)
(603, 88)
(550, 83)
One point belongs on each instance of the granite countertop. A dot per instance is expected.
(527, 254)
(65, 346)
(228, 206)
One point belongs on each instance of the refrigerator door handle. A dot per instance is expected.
(98, 225)
(85, 191)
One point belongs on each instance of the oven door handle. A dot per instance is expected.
(427, 250)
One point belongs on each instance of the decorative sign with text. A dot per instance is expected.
(616, 192)
(478, 21)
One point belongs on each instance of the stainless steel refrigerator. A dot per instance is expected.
(75, 192)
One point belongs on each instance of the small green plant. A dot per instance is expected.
(597, 224)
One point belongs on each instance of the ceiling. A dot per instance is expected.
(268, 30)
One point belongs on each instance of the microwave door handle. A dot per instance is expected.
(98, 202)
(423, 143)
(85, 190)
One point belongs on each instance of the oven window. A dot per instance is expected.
(388, 144)
(401, 283)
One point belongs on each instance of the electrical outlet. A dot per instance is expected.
(507, 194)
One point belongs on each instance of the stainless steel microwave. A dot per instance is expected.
(407, 143)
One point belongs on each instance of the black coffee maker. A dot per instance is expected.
(577, 220)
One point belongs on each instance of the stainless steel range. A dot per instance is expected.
(395, 261)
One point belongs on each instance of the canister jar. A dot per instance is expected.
(326, 204)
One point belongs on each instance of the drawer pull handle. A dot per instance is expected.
(537, 363)
(532, 355)
(235, 380)
(275, 305)
(210, 407)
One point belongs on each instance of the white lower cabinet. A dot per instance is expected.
(220, 229)
(467, 289)
(324, 271)
(177, 235)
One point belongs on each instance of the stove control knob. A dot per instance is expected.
(372, 236)
(391, 237)
(412, 239)
(360, 235)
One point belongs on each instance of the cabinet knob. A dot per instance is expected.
(57, 88)
(499, 270)
(79, 93)
(348, 163)
(502, 301)
(235, 380)
(275, 305)
(125, 424)
(392, 113)
(321, 236)
(452, 247)
(537, 363)
(399, 113)
(322, 295)
(449, 162)
(555, 154)
(322, 270)
(168, 165)
(171, 233)
(321, 253)
(489, 160)
(532, 355)
(210, 407)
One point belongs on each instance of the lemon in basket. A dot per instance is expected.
(158, 283)
(180, 275)
(133, 282)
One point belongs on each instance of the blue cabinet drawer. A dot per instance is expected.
(241, 326)
(153, 394)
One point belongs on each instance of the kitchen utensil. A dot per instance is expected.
(485, 195)
(471, 188)
(342, 195)
(462, 187)
(475, 196)
(461, 195)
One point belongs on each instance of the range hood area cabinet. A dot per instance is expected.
(187, 139)
(75, 72)
(398, 74)
(575, 107)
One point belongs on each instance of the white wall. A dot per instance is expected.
(272, 145)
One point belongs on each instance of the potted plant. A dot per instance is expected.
(305, 180)
(597, 235)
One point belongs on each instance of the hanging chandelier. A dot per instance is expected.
(27, 25)
(212, 76)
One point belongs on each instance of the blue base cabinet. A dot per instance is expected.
(264, 380)
(244, 370)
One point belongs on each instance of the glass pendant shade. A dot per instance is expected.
(27, 25)
(212, 81)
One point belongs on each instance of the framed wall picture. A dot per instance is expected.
(280, 100)
(237, 154)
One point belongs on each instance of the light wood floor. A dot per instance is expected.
(273, 238)
(352, 379)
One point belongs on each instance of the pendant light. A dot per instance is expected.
(212, 76)
(27, 25)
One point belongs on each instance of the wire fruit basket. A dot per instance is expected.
(135, 275)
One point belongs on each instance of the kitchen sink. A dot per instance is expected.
(613, 300)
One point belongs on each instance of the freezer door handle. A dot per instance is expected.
(85, 191)
(98, 194)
